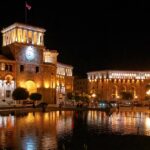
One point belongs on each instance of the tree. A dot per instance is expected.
(35, 97)
(70, 96)
(20, 94)
(85, 99)
(77, 98)
(126, 95)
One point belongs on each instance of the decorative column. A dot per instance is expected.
(32, 37)
(4, 39)
(16, 34)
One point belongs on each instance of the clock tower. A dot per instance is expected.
(34, 66)
(26, 43)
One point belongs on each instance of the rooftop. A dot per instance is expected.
(24, 26)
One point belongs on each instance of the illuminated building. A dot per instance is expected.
(25, 62)
(110, 84)
(64, 81)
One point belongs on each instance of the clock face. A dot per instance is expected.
(30, 53)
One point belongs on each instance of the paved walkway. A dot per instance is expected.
(52, 107)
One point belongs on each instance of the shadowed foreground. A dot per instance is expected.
(107, 142)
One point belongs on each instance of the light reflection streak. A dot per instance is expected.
(147, 123)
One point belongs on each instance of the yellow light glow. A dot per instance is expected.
(46, 85)
(30, 118)
(135, 96)
(148, 92)
(54, 85)
(147, 122)
(118, 96)
(46, 117)
(57, 83)
(30, 86)
(21, 84)
(93, 95)
(38, 85)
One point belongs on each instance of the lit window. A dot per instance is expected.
(2, 66)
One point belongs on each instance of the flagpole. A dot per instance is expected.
(25, 13)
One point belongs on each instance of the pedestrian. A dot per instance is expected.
(118, 106)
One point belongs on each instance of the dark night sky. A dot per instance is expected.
(89, 36)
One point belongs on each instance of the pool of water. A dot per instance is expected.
(52, 130)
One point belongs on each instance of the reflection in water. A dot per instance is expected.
(50, 130)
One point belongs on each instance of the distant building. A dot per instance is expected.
(25, 62)
(64, 81)
(80, 85)
(110, 84)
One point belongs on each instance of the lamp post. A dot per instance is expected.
(93, 97)
(3, 85)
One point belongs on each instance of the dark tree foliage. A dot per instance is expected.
(126, 95)
(70, 96)
(35, 96)
(20, 94)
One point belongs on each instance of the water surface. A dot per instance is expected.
(52, 130)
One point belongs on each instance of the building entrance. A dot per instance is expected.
(30, 86)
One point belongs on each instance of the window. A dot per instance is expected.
(21, 68)
(37, 69)
(8, 93)
(10, 68)
(2, 67)
(6, 67)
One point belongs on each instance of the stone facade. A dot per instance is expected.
(110, 84)
(25, 62)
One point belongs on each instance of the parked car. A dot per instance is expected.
(146, 103)
(42, 104)
(114, 104)
(137, 103)
(27, 102)
(125, 103)
(103, 104)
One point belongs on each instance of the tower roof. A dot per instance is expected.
(23, 26)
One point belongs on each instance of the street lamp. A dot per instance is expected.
(93, 95)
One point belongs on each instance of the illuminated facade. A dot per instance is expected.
(64, 81)
(25, 62)
(109, 84)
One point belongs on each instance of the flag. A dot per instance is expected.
(28, 6)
